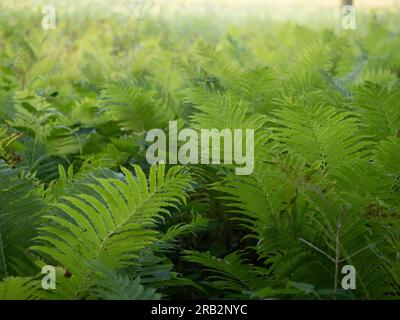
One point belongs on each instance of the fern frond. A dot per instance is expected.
(379, 110)
(108, 285)
(258, 87)
(134, 108)
(230, 273)
(320, 134)
(112, 223)
(20, 208)
(17, 288)
(6, 140)
(221, 111)
(216, 63)
(306, 72)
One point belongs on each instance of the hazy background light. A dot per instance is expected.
(311, 12)
(182, 5)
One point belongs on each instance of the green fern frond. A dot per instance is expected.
(108, 285)
(306, 72)
(17, 288)
(320, 134)
(6, 140)
(221, 111)
(387, 154)
(258, 87)
(216, 63)
(379, 110)
(20, 208)
(112, 223)
(230, 273)
(134, 108)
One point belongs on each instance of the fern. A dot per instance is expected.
(77, 192)
(17, 288)
(379, 110)
(231, 274)
(110, 286)
(134, 108)
(216, 63)
(20, 209)
(221, 111)
(112, 224)
(6, 140)
(322, 134)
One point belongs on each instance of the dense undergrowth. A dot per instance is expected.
(76, 191)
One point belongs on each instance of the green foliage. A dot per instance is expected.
(21, 207)
(134, 108)
(77, 193)
(111, 223)
(111, 286)
(16, 288)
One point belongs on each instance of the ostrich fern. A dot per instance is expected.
(77, 193)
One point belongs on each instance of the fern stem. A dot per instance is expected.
(337, 258)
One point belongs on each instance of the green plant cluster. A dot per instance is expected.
(77, 193)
